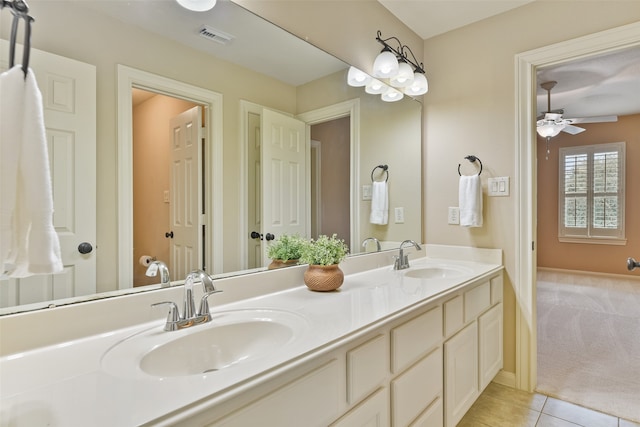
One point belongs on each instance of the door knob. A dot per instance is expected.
(632, 264)
(85, 248)
(269, 237)
(256, 235)
(169, 235)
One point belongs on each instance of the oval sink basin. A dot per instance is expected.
(437, 272)
(230, 339)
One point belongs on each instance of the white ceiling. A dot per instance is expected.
(601, 85)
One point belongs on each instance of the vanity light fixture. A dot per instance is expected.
(396, 73)
(197, 5)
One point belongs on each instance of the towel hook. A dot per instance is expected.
(385, 168)
(471, 159)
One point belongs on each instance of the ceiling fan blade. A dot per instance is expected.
(573, 130)
(599, 119)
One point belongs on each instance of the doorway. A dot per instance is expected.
(152, 181)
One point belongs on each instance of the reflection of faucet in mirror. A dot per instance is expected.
(160, 266)
(190, 316)
(369, 239)
(402, 260)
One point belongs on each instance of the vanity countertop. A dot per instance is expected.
(67, 384)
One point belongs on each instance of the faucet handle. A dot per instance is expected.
(173, 317)
(204, 305)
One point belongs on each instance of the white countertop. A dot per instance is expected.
(67, 385)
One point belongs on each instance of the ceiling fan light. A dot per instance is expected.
(419, 85)
(386, 64)
(357, 78)
(375, 87)
(404, 77)
(550, 130)
(197, 5)
(392, 95)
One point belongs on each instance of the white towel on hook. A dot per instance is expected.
(28, 241)
(379, 203)
(470, 201)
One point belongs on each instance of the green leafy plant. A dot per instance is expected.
(324, 251)
(286, 247)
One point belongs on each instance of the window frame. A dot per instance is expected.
(591, 234)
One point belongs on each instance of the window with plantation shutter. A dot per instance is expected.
(591, 205)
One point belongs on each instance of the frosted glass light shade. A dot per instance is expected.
(392, 95)
(404, 77)
(357, 78)
(197, 5)
(385, 65)
(550, 130)
(419, 85)
(376, 87)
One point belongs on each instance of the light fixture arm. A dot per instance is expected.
(400, 51)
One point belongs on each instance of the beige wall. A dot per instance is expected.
(589, 257)
(151, 165)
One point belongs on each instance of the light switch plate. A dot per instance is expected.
(399, 215)
(498, 186)
(366, 192)
(454, 216)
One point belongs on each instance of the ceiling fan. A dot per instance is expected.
(552, 123)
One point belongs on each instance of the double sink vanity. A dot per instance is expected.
(390, 347)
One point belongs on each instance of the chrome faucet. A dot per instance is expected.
(190, 316)
(152, 271)
(367, 240)
(402, 260)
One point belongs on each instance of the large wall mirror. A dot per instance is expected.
(152, 66)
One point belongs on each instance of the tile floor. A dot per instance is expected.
(501, 406)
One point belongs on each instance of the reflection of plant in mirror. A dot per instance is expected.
(286, 247)
(324, 251)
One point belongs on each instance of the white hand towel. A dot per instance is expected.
(379, 203)
(470, 201)
(30, 244)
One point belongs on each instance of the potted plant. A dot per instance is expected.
(323, 256)
(285, 250)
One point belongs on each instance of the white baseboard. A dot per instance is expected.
(589, 273)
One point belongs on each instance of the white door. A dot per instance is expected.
(69, 99)
(186, 215)
(254, 193)
(284, 177)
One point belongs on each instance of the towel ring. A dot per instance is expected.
(471, 159)
(385, 168)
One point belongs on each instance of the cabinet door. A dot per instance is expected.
(461, 373)
(490, 336)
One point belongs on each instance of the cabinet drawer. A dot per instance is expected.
(373, 412)
(415, 389)
(314, 397)
(367, 367)
(496, 289)
(453, 315)
(476, 301)
(415, 338)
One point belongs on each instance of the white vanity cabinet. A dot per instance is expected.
(473, 355)
(422, 369)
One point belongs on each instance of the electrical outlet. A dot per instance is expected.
(454, 216)
(399, 215)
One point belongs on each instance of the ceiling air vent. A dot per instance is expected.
(216, 35)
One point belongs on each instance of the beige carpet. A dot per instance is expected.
(589, 342)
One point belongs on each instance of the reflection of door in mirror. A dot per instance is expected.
(68, 90)
(153, 174)
(276, 186)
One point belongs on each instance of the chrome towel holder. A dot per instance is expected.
(471, 159)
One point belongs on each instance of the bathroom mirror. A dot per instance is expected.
(94, 32)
